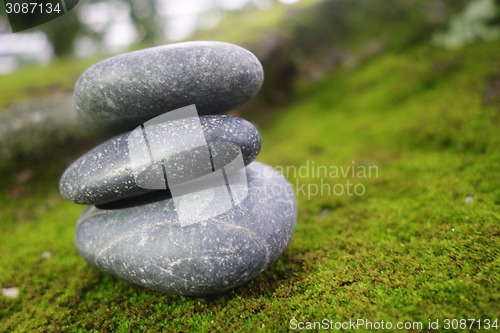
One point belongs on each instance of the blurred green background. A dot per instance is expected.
(411, 87)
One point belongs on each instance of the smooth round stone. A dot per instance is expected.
(122, 92)
(142, 241)
(106, 173)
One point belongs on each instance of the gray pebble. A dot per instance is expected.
(106, 174)
(140, 239)
(122, 92)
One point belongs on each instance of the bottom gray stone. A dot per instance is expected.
(141, 240)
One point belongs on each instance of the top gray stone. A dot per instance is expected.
(120, 93)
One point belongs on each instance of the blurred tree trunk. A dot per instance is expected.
(146, 19)
(63, 32)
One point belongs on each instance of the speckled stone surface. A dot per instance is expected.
(122, 92)
(142, 241)
(104, 174)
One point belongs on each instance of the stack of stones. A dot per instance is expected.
(133, 228)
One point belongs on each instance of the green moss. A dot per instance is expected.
(256, 24)
(421, 243)
(34, 81)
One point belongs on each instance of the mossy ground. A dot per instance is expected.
(32, 82)
(421, 243)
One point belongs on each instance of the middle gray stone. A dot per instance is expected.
(106, 173)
